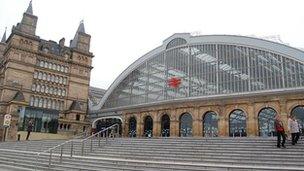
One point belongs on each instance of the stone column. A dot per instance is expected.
(196, 122)
(223, 125)
(125, 128)
(283, 112)
(174, 126)
(251, 121)
(139, 126)
(156, 124)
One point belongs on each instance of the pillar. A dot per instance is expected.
(223, 125)
(174, 124)
(139, 126)
(251, 121)
(196, 122)
(284, 114)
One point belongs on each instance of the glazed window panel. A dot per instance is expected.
(205, 70)
(237, 124)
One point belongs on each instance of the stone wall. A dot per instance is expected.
(283, 104)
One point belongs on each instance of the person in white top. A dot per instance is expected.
(293, 128)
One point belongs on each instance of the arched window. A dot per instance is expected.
(237, 123)
(59, 92)
(49, 103)
(40, 102)
(65, 126)
(266, 122)
(48, 77)
(176, 42)
(64, 81)
(55, 91)
(45, 65)
(210, 124)
(54, 66)
(165, 126)
(32, 101)
(36, 101)
(44, 76)
(42, 88)
(77, 117)
(66, 69)
(40, 75)
(57, 105)
(50, 66)
(51, 90)
(63, 93)
(35, 74)
(56, 79)
(53, 104)
(132, 127)
(148, 126)
(46, 89)
(60, 126)
(38, 88)
(45, 103)
(60, 80)
(298, 112)
(41, 63)
(185, 125)
(33, 87)
(52, 78)
(69, 126)
(62, 69)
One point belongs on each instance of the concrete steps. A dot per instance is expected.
(159, 154)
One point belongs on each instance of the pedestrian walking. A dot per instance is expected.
(29, 129)
(293, 129)
(278, 124)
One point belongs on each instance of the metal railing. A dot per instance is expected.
(70, 145)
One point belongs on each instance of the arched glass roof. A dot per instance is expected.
(216, 65)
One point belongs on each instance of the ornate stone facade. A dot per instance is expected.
(282, 103)
(53, 80)
(207, 85)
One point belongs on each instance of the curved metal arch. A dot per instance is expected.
(284, 50)
(106, 117)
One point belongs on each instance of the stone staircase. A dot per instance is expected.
(158, 154)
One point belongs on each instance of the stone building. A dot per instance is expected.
(212, 85)
(44, 82)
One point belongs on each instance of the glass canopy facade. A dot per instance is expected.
(205, 69)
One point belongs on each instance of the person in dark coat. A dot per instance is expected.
(278, 124)
(29, 129)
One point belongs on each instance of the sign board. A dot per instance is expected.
(7, 120)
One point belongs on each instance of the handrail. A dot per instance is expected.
(80, 135)
(98, 134)
(83, 141)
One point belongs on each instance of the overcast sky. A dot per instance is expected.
(124, 30)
